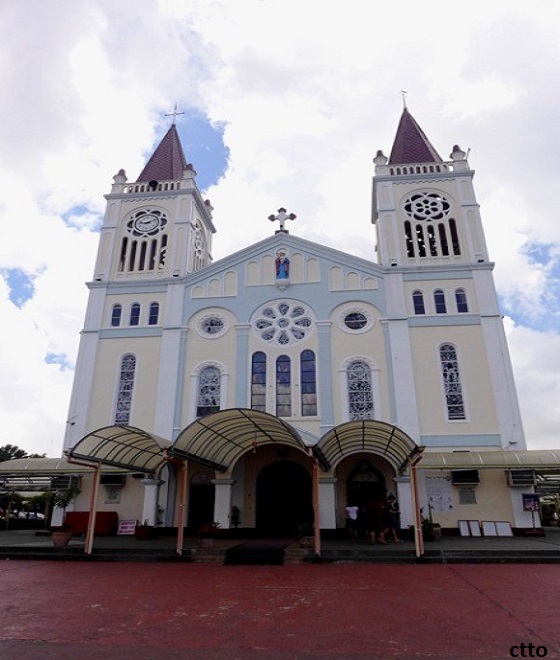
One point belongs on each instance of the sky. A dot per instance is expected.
(286, 103)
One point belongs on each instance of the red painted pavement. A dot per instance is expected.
(153, 610)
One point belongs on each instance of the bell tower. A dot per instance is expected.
(159, 226)
(156, 231)
(425, 208)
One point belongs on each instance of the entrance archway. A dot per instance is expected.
(365, 483)
(283, 499)
(201, 501)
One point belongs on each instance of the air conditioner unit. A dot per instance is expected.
(465, 477)
(521, 478)
(112, 479)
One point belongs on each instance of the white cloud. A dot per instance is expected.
(307, 92)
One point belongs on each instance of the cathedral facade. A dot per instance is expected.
(289, 356)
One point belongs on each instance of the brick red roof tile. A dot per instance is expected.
(168, 160)
(411, 144)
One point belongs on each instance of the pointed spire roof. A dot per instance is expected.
(411, 144)
(168, 160)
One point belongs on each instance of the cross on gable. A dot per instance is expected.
(282, 217)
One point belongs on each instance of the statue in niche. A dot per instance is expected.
(282, 265)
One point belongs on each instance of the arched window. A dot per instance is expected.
(308, 380)
(283, 386)
(360, 395)
(452, 382)
(135, 314)
(153, 317)
(258, 381)
(124, 392)
(461, 300)
(439, 301)
(209, 391)
(418, 302)
(116, 315)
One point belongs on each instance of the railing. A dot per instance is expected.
(148, 186)
(420, 168)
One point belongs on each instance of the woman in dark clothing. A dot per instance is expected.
(392, 519)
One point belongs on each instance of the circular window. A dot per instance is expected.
(211, 326)
(283, 322)
(427, 206)
(355, 319)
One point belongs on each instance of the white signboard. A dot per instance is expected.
(440, 494)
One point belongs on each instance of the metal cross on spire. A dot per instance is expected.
(282, 217)
(174, 114)
(403, 94)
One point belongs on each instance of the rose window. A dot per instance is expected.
(284, 322)
(427, 206)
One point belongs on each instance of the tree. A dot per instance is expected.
(9, 452)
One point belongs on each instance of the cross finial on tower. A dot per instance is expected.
(403, 96)
(174, 114)
(282, 217)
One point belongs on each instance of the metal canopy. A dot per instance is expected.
(380, 438)
(124, 447)
(218, 440)
(33, 467)
(538, 459)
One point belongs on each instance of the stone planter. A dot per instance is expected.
(61, 537)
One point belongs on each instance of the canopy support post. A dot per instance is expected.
(316, 522)
(93, 509)
(418, 538)
(182, 507)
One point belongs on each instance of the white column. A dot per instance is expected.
(327, 503)
(222, 501)
(404, 498)
(151, 497)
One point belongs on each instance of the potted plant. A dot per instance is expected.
(207, 532)
(62, 498)
(144, 531)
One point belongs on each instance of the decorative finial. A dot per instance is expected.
(403, 94)
(282, 217)
(174, 114)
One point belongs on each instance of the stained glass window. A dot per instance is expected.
(439, 301)
(258, 382)
(209, 391)
(126, 385)
(452, 382)
(308, 384)
(461, 300)
(360, 395)
(283, 386)
(418, 302)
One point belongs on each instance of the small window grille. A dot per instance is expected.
(116, 315)
(461, 300)
(467, 495)
(135, 314)
(439, 301)
(153, 317)
(418, 302)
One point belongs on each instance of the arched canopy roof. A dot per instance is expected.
(125, 447)
(379, 438)
(219, 440)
